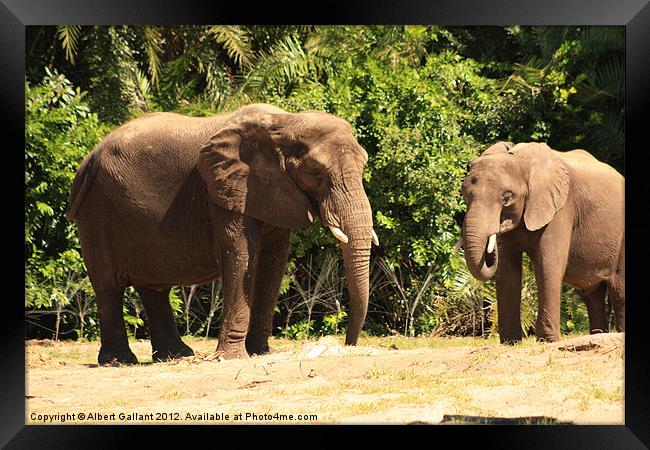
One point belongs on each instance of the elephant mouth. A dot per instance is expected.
(489, 261)
(490, 254)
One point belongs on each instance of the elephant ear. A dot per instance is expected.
(244, 170)
(548, 184)
(499, 147)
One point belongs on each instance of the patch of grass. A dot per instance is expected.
(549, 361)
(375, 388)
(280, 390)
(459, 397)
(585, 395)
(481, 357)
(410, 343)
(373, 373)
(584, 402)
(531, 342)
(421, 396)
(407, 374)
(493, 381)
(321, 391)
(361, 408)
(608, 395)
(110, 405)
(616, 395)
(172, 394)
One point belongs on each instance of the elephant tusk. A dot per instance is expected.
(458, 245)
(375, 239)
(310, 217)
(338, 234)
(492, 242)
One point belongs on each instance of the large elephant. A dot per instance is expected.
(167, 199)
(572, 206)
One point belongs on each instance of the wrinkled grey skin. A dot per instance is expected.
(566, 211)
(167, 199)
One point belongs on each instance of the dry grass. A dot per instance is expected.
(383, 380)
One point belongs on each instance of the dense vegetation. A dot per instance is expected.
(424, 101)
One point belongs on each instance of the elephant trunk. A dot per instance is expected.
(356, 259)
(479, 242)
(355, 219)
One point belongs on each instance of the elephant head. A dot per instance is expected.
(505, 184)
(284, 169)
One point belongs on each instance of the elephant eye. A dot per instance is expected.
(313, 173)
(506, 196)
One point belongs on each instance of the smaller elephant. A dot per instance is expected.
(566, 211)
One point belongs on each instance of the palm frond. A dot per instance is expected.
(153, 42)
(217, 87)
(608, 138)
(549, 39)
(69, 36)
(237, 42)
(603, 38)
(326, 41)
(320, 287)
(285, 62)
(141, 89)
(610, 76)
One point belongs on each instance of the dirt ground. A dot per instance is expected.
(390, 380)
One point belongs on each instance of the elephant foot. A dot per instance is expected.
(547, 338)
(258, 348)
(179, 350)
(112, 357)
(233, 351)
(510, 341)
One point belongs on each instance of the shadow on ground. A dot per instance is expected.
(481, 420)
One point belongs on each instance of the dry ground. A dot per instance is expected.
(383, 380)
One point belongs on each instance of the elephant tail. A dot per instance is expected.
(84, 179)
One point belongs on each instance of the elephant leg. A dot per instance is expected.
(508, 283)
(616, 291)
(239, 242)
(596, 308)
(550, 264)
(114, 342)
(271, 265)
(166, 342)
(616, 295)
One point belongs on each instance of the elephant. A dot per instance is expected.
(166, 199)
(566, 211)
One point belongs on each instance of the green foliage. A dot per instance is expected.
(466, 306)
(47, 285)
(300, 330)
(400, 302)
(61, 287)
(573, 313)
(423, 101)
(575, 76)
(332, 323)
(69, 36)
(59, 131)
(132, 311)
(113, 84)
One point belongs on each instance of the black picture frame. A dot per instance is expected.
(15, 15)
